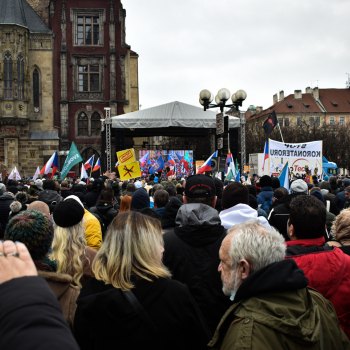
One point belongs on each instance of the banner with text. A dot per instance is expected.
(300, 156)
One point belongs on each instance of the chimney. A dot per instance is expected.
(297, 94)
(275, 99)
(316, 93)
(308, 90)
(281, 95)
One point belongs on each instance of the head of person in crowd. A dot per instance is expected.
(265, 181)
(68, 246)
(341, 227)
(248, 248)
(19, 204)
(234, 193)
(155, 188)
(316, 192)
(333, 183)
(12, 186)
(200, 189)
(345, 182)
(161, 198)
(279, 195)
(325, 187)
(40, 206)
(133, 248)
(307, 218)
(129, 188)
(39, 184)
(49, 184)
(170, 188)
(275, 182)
(299, 186)
(140, 199)
(106, 197)
(35, 230)
(125, 203)
(171, 209)
(138, 184)
(219, 188)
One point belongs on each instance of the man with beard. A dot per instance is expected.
(272, 306)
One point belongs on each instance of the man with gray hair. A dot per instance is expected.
(272, 306)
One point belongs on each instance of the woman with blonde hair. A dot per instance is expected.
(132, 302)
(341, 231)
(69, 248)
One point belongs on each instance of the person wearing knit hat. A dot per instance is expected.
(69, 247)
(140, 199)
(92, 227)
(35, 230)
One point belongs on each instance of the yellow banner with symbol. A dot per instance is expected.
(129, 171)
(126, 156)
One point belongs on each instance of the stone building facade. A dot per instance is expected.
(27, 132)
(63, 62)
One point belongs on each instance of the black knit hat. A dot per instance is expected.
(32, 228)
(68, 213)
(198, 186)
(140, 199)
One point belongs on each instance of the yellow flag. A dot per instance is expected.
(126, 156)
(129, 171)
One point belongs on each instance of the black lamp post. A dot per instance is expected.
(222, 121)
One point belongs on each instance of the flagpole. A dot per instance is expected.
(279, 128)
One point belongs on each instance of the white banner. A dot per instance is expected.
(298, 156)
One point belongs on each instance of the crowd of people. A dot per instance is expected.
(195, 263)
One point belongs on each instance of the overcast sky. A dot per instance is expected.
(260, 46)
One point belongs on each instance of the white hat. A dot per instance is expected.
(39, 183)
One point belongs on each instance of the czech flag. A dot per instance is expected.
(51, 163)
(171, 160)
(284, 177)
(97, 165)
(207, 164)
(266, 152)
(89, 163)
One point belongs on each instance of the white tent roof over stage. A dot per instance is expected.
(173, 114)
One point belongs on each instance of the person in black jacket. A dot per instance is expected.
(132, 303)
(192, 248)
(104, 209)
(30, 316)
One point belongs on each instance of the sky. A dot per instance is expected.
(260, 46)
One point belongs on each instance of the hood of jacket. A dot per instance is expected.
(240, 213)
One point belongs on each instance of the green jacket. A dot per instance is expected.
(289, 319)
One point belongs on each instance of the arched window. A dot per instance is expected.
(20, 77)
(7, 75)
(83, 124)
(36, 90)
(95, 124)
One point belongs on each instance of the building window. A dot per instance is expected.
(280, 121)
(36, 90)
(8, 75)
(317, 121)
(286, 121)
(341, 120)
(83, 124)
(89, 78)
(331, 120)
(311, 121)
(20, 77)
(299, 121)
(95, 124)
(88, 27)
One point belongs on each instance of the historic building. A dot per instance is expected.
(63, 63)
(27, 131)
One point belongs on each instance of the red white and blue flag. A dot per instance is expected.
(89, 163)
(97, 165)
(51, 163)
(266, 152)
(207, 164)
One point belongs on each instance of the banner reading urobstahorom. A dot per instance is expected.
(298, 155)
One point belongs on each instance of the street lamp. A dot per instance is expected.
(222, 123)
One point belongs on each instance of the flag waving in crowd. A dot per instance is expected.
(97, 165)
(52, 163)
(72, 159)
(207, 166)
(270, 123)
(89, 163)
